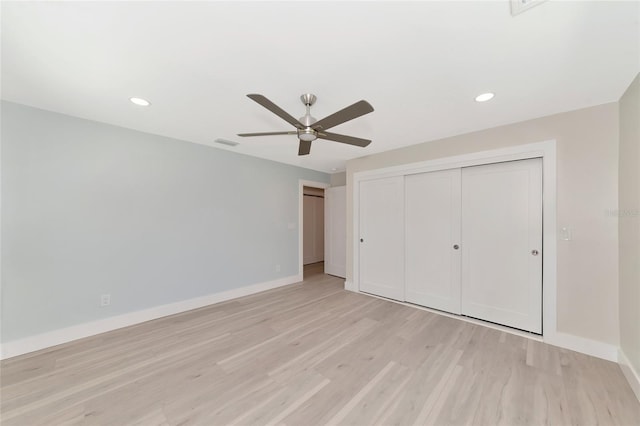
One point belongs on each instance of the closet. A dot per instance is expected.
(313, 225)
(466, 241)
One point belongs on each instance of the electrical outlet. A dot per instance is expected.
(277, 268)
(105, 300)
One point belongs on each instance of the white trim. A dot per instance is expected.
(630, 373)
(68, 334)
(301, 184)
(511, 153)
(349, 286)
(546, 150)
(583, 345)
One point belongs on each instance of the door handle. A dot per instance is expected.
(362, 240)
(456, 247)
(534, 252)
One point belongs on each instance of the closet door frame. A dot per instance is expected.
(545, 150)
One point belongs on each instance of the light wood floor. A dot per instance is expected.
(311, 354)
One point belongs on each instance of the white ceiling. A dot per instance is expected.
(420, 64)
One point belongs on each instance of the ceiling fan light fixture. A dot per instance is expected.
(307, 135)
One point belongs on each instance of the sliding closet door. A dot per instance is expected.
(502, 243)
(432, 206)
(381, 237)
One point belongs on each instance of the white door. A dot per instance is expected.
(502, 243)
(432, 208)
(335, 231)
(381, 237)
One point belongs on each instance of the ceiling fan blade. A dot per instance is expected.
(356, 110)
(267, 133)
(276, 110)
(351, 140)
(304, 148)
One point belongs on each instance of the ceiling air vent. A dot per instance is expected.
(519, 6)
(226, 142)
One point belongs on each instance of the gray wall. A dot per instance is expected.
(629, 223)
(90, 208)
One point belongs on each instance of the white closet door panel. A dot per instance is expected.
(432, 206)
(335, 209)
(501, 225)
(382, 237)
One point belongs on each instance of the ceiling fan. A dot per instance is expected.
(308, 128)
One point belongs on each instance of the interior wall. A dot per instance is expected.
(90, 209)
(339, 179)
(587, 191)
(629, 223)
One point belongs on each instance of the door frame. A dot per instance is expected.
(301, 184)
(545, 150)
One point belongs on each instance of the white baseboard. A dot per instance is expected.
(630, 373)
(583, 345)
(348, 285)
(68, 334)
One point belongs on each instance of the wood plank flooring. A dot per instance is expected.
(312, 354)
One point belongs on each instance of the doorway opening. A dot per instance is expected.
(311, 228)
(312, 231)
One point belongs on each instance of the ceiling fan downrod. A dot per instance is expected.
(308, 99)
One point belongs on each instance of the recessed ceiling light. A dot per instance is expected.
(140, 101)
(484, 97)
(334, 169)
